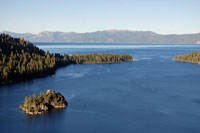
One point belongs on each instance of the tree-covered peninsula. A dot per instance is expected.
(45, 102)
(20, 60)
(191, 58)
(99, 58)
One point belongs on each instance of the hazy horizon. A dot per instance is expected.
(106, 30)
(162, 17)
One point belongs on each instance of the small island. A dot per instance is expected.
(45, 102)
(190, 58)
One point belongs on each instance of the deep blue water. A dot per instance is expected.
(152, 94)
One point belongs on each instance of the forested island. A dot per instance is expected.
(45, 102)
(20, 60)
(191, 58)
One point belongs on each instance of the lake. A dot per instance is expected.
(152, 94)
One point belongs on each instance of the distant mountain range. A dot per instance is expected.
(109, 36)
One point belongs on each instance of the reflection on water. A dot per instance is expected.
(45, 114)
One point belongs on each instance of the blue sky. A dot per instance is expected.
(161, 16)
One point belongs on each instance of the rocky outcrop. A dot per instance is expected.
(45, 102)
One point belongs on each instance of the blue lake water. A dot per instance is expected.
(152, 94)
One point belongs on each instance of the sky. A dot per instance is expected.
(161, 16)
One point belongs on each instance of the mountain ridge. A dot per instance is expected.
(108, 36)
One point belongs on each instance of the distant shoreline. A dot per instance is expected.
(133, 43)
(110, 36)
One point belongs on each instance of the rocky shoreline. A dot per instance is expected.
(45, 102)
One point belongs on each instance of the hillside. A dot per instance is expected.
(20, 60)
(109, 36)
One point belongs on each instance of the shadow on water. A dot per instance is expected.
(53, 113)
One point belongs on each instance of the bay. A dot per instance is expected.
(151, 94)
